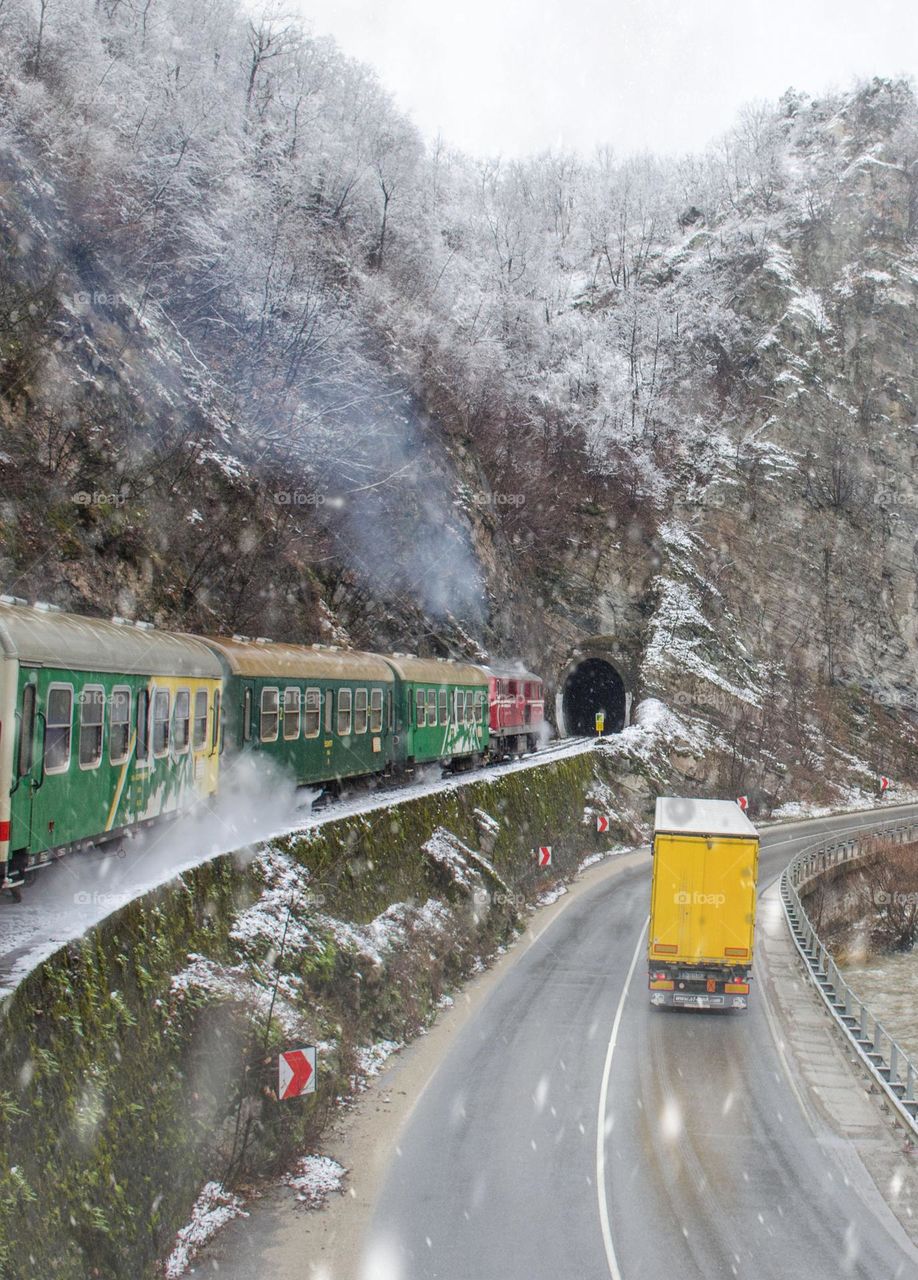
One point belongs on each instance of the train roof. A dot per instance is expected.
(42, 635)
(435, 670)
(701, 817)
(269, 658)
(508, 671)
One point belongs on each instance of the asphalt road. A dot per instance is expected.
(706, 1166)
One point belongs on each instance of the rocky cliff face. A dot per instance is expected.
(673, 406)
(776, 597)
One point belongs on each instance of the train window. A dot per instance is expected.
(390, 704)
(58, 728)
(92, 710)
(269, 715)
(360, 710)
(344, 712)
(200, 719)
(216, 729)
(458, 704)
(119, 726)
(27, 731)
(143, 721)
(160, 721)
(482, 707)
(291, 713)
(421, 708)
(312, 721)
(431, 706)
(443, 700)
(376, 710)
(469, 706)
(182, 718)
(328, 710)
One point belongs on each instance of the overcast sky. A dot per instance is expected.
(515, 76)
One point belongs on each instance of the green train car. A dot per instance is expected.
(103, 726)
(441, 711)
(110, 725)
(321, 713)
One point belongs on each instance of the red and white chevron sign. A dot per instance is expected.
(743, 802)
(602, 822)
(296, 1073)
(884, 784)
(545, 855)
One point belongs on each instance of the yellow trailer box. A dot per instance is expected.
(702, 904)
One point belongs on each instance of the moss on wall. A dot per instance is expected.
(120, 1097)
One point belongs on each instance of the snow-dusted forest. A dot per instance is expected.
(270, 360)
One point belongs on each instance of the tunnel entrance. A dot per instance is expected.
(593, 685)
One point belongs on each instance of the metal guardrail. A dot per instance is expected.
(886, 1060)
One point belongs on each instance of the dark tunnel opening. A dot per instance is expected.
(593, 686)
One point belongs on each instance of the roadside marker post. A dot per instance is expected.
(296, 1073)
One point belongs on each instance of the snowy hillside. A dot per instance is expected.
(270, 364)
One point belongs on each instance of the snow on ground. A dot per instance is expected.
(683, 637)
(371, 1058)
(235, 983)
(551, 895)
(213, 1209)
(592, 859)
(854, 800)
(76, 892)
(314, 1179)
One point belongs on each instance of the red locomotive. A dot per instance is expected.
(517, 710)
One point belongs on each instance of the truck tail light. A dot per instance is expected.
(736, 988)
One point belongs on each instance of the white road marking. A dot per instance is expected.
(611, 1259)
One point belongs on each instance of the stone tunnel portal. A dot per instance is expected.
(593, 685)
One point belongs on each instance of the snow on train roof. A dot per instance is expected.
(509, 671)
(297, 661)
(435, 670)
(41, 636)
(701, 817)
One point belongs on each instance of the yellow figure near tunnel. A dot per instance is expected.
(600, 722)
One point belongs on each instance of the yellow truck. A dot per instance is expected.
(702, 904)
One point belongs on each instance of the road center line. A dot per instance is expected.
(611, 1259)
